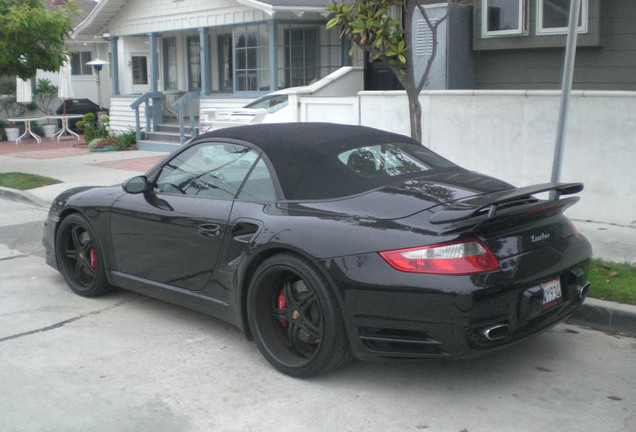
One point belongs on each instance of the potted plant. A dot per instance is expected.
(11, 108)
(45, 94)
(12, 133)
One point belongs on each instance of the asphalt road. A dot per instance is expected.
(125, 362)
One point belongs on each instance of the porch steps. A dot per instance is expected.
(165, 139)
(158, 146)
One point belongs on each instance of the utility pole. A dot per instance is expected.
(566, 89)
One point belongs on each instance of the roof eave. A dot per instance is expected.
(271, 10)
(97, 10)
(267, 8)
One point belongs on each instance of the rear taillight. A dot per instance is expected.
(461, 257)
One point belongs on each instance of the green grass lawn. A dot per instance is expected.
(613, 281)
(21, 181)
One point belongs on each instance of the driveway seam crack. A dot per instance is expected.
(62, 323)
(22, 255)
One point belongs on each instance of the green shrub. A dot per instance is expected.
(120, 141)
(103, 130)
(128, 138)
(88, 125)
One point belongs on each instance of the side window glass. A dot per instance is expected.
(259, 185)
(210, 170)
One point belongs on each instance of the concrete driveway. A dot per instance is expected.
(125, 362)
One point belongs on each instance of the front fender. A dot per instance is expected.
(94, 204)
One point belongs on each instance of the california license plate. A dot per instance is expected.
(551, 293)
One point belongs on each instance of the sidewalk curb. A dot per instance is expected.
(605, 315)
(22, 196)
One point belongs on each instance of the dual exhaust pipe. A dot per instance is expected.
(500, 331)
(496, 331)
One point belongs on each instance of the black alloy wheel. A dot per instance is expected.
(79, 257)
(295, 318)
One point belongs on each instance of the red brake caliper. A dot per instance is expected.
(93, 257)
(282, 303)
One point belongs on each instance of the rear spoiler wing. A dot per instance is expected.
(497, 204)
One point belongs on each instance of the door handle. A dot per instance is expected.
(210, 230)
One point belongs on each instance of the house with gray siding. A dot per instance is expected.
(518, 44)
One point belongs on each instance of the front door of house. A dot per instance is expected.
(140, 78)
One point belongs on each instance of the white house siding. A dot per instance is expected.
(511, 135)
(85, 86)
(128, 47)
(179, 19)
(141, 17)
(122, 117)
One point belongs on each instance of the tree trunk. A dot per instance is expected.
(409, 83)
(415, 115)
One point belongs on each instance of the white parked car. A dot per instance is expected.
(271, 108)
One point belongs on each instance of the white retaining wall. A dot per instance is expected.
(333, 98)
(344, 110)
(511, 135)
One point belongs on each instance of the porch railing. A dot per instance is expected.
(188, 98)
(145, 99)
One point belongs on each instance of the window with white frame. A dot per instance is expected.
(78, 63)
(194, 63)
(503, 17)
(301, 56)
(553, 16)
(139, 65)
(251, 50)
(307, 52)
(170, 63)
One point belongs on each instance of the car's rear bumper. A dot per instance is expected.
(373, 339)
(394, 315)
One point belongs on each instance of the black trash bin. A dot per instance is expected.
(77, 106)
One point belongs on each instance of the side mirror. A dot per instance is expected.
(135, 185)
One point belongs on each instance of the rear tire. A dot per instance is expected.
(79, 257)
(295, 318)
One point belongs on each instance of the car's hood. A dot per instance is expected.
(408, 197)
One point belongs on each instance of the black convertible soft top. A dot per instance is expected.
(305, 156)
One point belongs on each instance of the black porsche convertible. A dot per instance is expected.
(323, 242)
